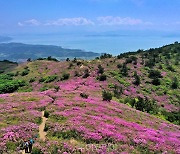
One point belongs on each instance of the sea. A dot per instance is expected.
(113, 43)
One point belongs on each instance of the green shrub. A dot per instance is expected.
(124, 70)
(100, 69)
(56, 88)
(11, 86)
(65, 76)
(46, 128)
(156, 81)
(107, 96)
(173, 117)
(111, 85)
(51, 59)
(38, 120)
(46, 114)
(102, 77)
(44, 88)
(83, 95)
(137, 79)
(154, 74)
(11, 146)
(25, 89)
(48, 79)
(118, 90)
(1, 71)
(105, 55)
(86, 73)
(171, 68)
(25, 72)
(11, 74)
(36, 151)
(58, 118)
(31, 80)
(175, 83)
(54, 149)
(5, 77)
(146, 105)
(131, 59)
(68, 134)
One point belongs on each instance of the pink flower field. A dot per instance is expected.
(103, 106)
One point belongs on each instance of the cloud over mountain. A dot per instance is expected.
(82, 21)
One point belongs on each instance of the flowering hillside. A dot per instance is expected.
(124, 104)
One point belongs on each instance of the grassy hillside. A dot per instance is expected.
(129, 103)
(7, 66)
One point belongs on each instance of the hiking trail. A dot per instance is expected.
(42, 133)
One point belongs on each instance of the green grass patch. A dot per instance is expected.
(57, 118)
(38, 120)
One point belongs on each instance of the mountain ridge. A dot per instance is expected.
(17, 51)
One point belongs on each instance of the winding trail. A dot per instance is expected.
(42, 133)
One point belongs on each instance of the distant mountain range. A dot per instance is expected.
(21, 52)
(5, 39)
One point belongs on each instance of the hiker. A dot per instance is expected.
(21, 145)
(31, 142)
(26, 146)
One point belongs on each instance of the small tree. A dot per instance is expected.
(83, 95)
(137, 79)
(65, 76)
(75, 60)
(118, 90)
(175, 83)
(156, 81)
(29, 60)
(56, 88)
(102, 77)
(139, 105)
(86, 73)
(107, 96)
(154, 74)
(119, 66)
(124, 70)
(46, 114)
(100, 69)
(67, 59)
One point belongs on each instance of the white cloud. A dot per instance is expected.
(80, 21)
(110, 20)
(31, 22)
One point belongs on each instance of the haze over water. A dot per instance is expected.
(110, 43)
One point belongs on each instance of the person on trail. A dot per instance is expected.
(31, 142)
(21, 145)
(26, 146)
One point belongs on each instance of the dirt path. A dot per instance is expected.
(42, 133)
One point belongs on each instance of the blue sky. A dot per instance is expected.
(42, 16)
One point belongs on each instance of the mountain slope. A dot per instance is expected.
(142, 117)
(19, 51)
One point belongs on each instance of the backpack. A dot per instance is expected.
(31, 141)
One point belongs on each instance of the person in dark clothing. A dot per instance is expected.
(31, 142)
(26, 146)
